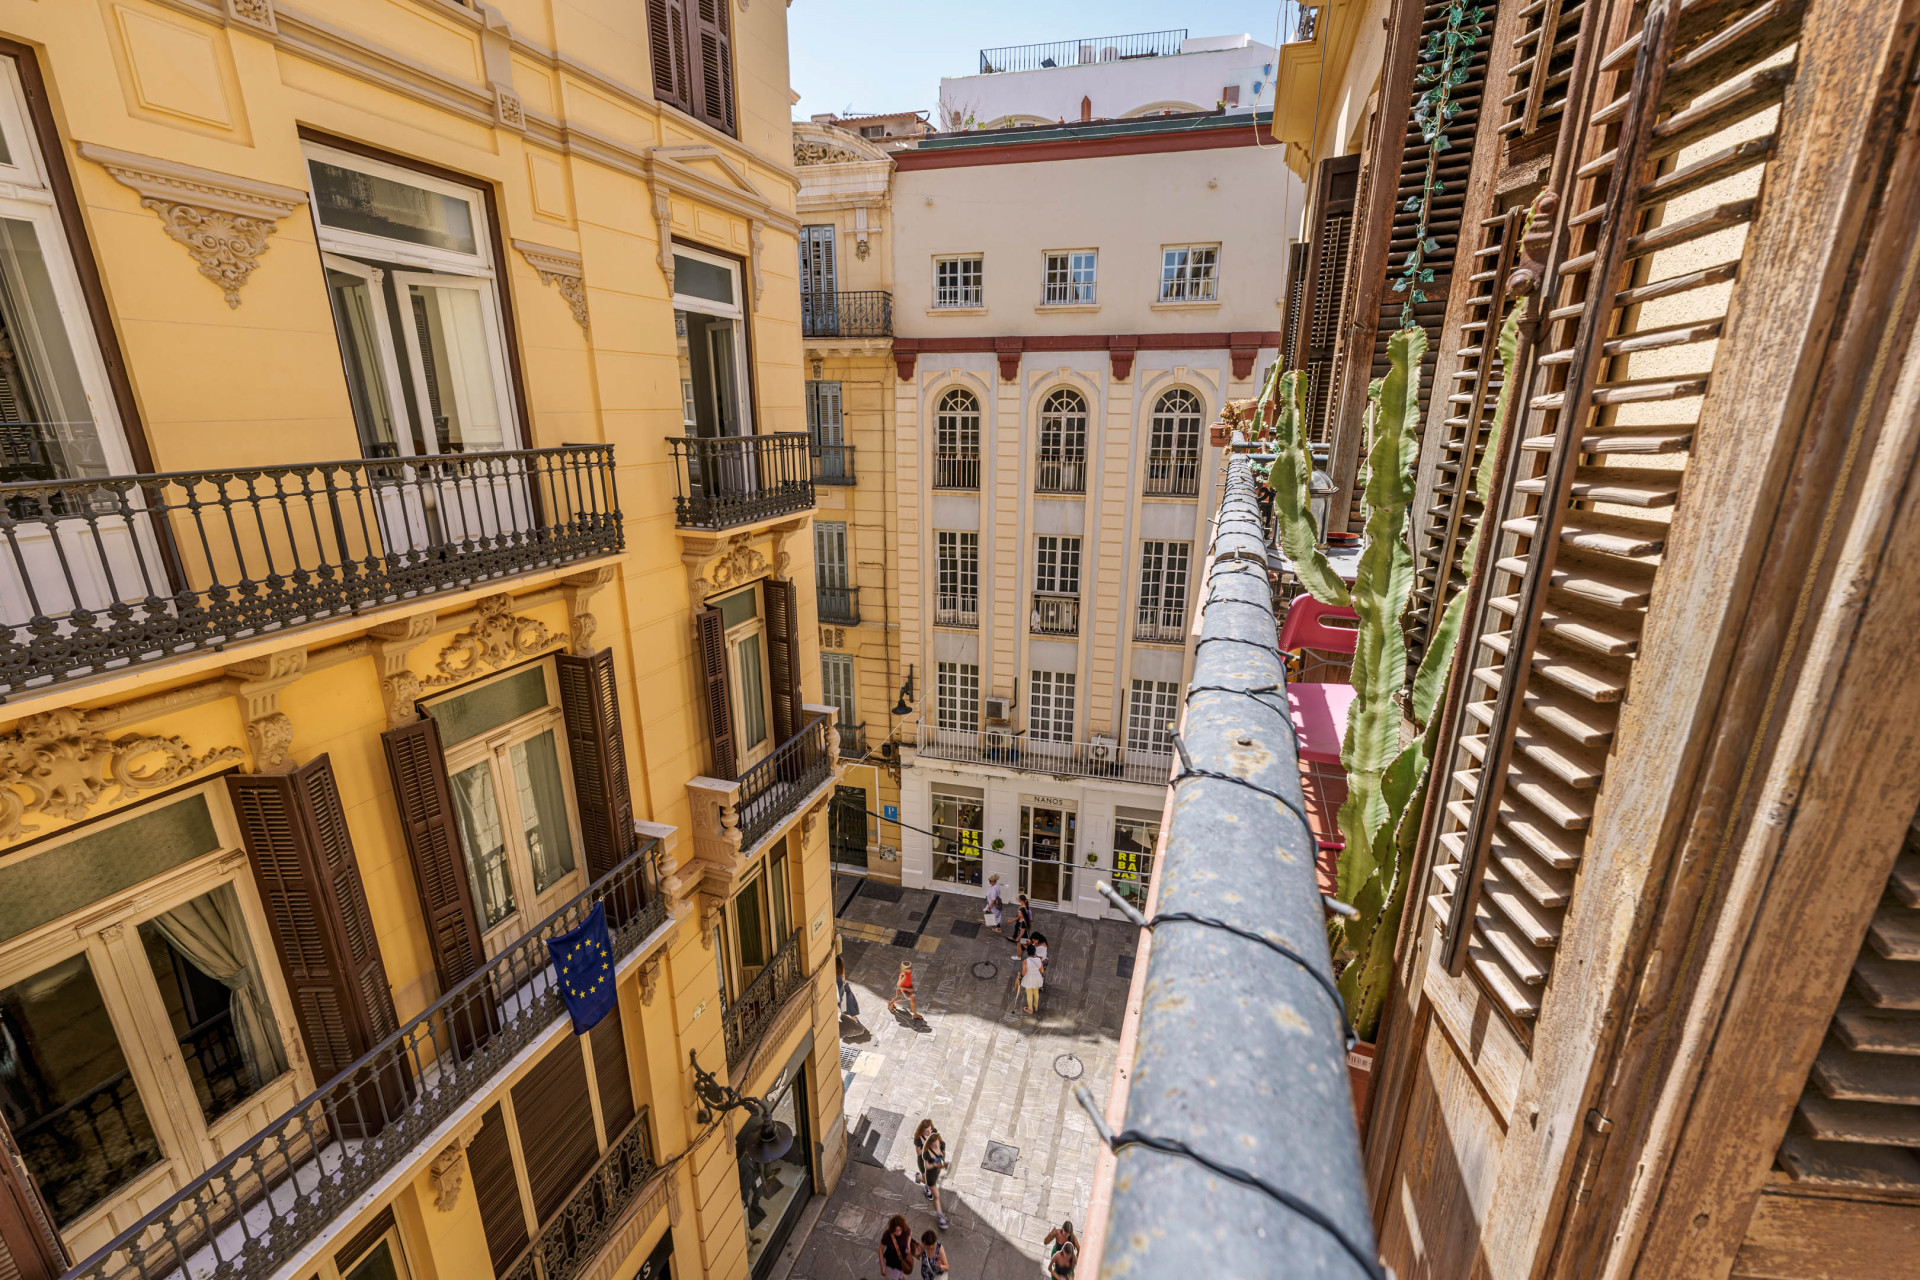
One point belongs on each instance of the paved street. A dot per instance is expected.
(990, 1076)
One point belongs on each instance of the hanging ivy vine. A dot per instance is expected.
(1443, 68)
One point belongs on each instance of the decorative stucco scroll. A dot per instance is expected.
(60, 764)
(560, 268)
(498, 636)
(254, 13)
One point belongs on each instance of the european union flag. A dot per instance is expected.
(583, 959)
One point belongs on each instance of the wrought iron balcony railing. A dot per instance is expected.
(1173, 475)
(575, 1235)
(956, 611)
(1158, 624)
(839, 605)
(1007, 749)
(956, 470)
(859, 313)
(283, 1187)
(1057, 473)
(833, 464)
(771, 790)
(853, 741)
(723, 481)
(111, 572)
(748, 1018)
(1074, 53)
(1055, 615)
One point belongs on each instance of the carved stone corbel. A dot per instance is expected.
(650, 975)
(712, 908)
(399, 686)
(257, 14)
(663, 219)
(560, 268)
(269, 729)
(579, 591)
(753, 263)
(449, 1169)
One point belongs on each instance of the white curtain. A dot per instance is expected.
(211, 934)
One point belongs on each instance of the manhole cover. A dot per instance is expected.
(905, 938)
(1000, 1157)
(1068, 1067)
(985, 969)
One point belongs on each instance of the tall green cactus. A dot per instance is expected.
(1290, 476)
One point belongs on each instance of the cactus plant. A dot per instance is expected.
(1284, 414)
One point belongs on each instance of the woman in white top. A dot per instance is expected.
(992, 909)
(1031, 982)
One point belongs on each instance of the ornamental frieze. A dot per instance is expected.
(61, 765)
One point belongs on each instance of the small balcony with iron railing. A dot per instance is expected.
(953, 610)
(772, 790)
(110, 573)
(858, 313)
(839, 605)
(956, 469)
(1082, 52)
(1006, 748)
(584, 1224)
(747, 1019)
(853, 741)
(1055, 614)
(1161, 624)
(723, 482)
(833, 464)
(1173, 475)
(301, 1175)
(1060, 471)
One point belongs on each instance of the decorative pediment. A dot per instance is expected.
(560, 268)
(61, 764)
(828, 144)
(497, 637)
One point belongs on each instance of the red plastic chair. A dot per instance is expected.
(1319, 713)
(1323, 635)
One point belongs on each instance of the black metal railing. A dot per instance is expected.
(114, 571)
(1018, 749)
(211, 1053)
(748, 1018)
(1060, 473)
(1074, 53)
(853, 741)
(287, 1184)
(83, 1150)
(839, 605)
(1160, 624)
(858, 313)
(576, 1234)
(833, 464)
(722, 481)
(1173, 475)
(956, 611)
(1055, 615)
(956, 470)
(771, 790)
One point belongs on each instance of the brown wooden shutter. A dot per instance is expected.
(555, 1117)
(713, 668)
(1326, 280)
(425, 800)
(303, 863)
(496, 1192)
(783, 656)
(713, 43)
(363, 1239)
(591, 703)
(609, 1042)
(667, 36)
(1539, 75)
(1296, 294)
(30, 1245)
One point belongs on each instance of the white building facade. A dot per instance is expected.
(1111, 78)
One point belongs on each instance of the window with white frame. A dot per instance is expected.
(959, 818)
(1173, 445)
(1069, 278)
(830, 553)
(1135, 833)
(1061, 463)
(1056, 565)
(823, 413)
(1163, 590)
(956, 578)
(957, 282)
(709, 323)
(1153, 707)
(1187, 272)
(836, 685)
(956, 695)
(1050, 706)
(956, 441)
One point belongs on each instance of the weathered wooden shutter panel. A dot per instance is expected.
(30, 1245)
(1296, 294)
(496, 1192)
(425, 800)
(667, 36)
(713, 37)
(590, 701)
(783, 656)
(713, 669)
(1625, 356)
(1320, 317)
(1536, 96)
(554, 1114)
(609, 1043)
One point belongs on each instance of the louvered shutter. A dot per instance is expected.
(1540, 74)
(496, 1192)
(554, 1114)
(667, 36)
(1296, 294)
(425, 800)
(30, 1245)
(1326, 280)
(609, 1044)
(783, 656)
(1625, 357)
(713, 48)
(590, 701)
(713, 670)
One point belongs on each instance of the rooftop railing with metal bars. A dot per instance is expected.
(748, 1018)
(771, 790)
(584, 1223)
(848, 313)
(1010, 749)
(1089, 49)
(724, 481)
(110, 572)
(839, 605)
(285, 1186)
(833, 464)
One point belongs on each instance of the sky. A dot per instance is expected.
(889, 55)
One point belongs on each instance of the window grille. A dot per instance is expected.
(1050, 707)
(1173, 445)
(1187, 272)
(1069, 279)
(1062, 461)
(956, 441)
(956, 695)
(957, 282)
(1153, 708)
(957, 579)
(1056, 568)
(830, 553)
(1163, 590)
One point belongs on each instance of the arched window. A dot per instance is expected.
(1062, 462)
(956, 441)
(1173, 445)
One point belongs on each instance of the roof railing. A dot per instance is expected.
(1074, 53)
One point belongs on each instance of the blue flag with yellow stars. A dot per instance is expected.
(583, 959)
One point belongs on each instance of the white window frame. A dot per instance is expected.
(838, 687)
(1166, 572)
(1151, 706)
(957, 696)
(735, 311)
(1056, 564)
(1069, 277)
(956, 431)
(1190, 272)
(1051, 702)
(1172, 431)
(956, 574)
(960, 293)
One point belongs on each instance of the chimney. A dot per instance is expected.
(1086, 108)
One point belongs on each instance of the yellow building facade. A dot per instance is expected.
(407, 512)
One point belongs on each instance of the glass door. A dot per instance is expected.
(1046, 853)
(849, 833)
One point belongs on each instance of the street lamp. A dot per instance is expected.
(904, 707)
(774, 1138)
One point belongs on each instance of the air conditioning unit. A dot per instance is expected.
(995, 710)
(1103, 748)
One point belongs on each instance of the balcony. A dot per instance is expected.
(839, 605)
(1173, 475)
(1055, 615)
(1060, 473)
(1160, 625)
(722, 482)
(861, 313)
(853, 742)
(113, 572)
(833, 464)
(956, 611)
(956, 470)
(1007, 749)
(285, 1187)
(1075, 53)
(581, 1228)
(748, 1018)
(771, 790)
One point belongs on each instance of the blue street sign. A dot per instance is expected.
(891, 812)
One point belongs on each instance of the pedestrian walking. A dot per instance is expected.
(1063, 1251)
(896, 1249)
(1031, 980)
(1040, 949)
(903, 986)
(1022, 919)
(992, 909)
(930, 1151)
(849, 1007)
(933, 1255)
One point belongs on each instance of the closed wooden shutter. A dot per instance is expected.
(364, 1239)
(1296, 296)
(783, 656)
(1326, 281)
(1664, 183)
(590, 701)
(1540, 74)
(30, 1245)
(425, 799)
(608, 1040)
(713, 672)
(554, 1114)
(713, 41)
(667, 35)
(496, 1192)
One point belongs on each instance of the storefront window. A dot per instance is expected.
(959, 814)
(775, 1191)
(1134, 836)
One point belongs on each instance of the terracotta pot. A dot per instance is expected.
(1360, 1080)
(1219, 435)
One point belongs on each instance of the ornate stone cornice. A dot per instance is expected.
(498, 636)
(223, 220)
(560, 268)
(60, 764)
(257, 14)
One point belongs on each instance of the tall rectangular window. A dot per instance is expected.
(956, 695)
(1163, 590)
(1187, 272)
(1153, 707)
(830, 553)
(1050, 706)
(1056, 565)
(957, 579)
(823, 414)
(836, 685)
(1069, 278)
(957, 282)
